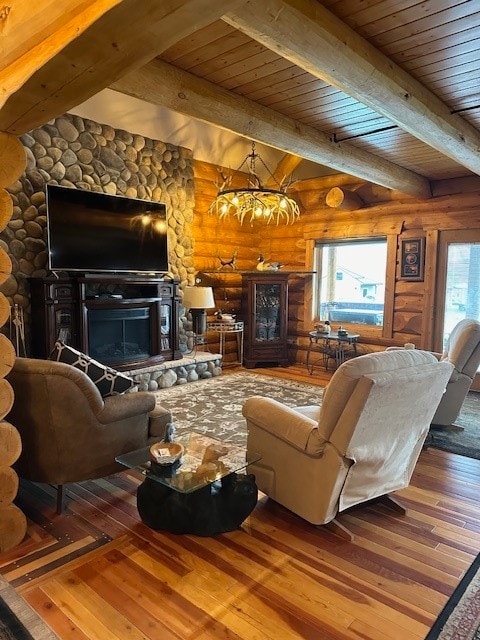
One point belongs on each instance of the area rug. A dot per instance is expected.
(214, 406)
(460, 618)
(466, 439)
(18, 621)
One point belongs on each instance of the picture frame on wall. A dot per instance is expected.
(412, 259)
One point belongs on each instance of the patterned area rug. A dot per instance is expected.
(460, 618)
(463, 436)
(214, 406)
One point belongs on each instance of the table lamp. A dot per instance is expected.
(197, 300)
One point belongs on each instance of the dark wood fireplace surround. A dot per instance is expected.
(136, 319)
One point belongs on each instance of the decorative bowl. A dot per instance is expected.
(165, 453)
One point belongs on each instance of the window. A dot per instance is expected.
(350, 281)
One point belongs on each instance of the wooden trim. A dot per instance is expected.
(390, 286)
(431, 264)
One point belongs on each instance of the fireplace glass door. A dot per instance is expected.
(119, 334)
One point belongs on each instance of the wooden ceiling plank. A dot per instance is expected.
(409, 55)
(211, 58)
(272, 83)
(311, 37)
(161, 83)
(441, 32)
(126, 36)
(243, 68)
(410, 18)
(262, 76)
(185, 47)
(444, 57)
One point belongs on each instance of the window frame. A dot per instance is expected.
(384, 331)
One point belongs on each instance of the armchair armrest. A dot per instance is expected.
(125, 406)
(279, 420)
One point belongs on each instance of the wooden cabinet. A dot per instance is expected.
(265, 312)
(126, 323)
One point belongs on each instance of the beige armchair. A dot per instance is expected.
(363, 441)
(463, 351)
(69, 432)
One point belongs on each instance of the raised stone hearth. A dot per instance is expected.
(193, 367)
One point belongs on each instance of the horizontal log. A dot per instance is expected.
(8, 486)
(13, 527)
(6, 208)
(341, 198)
(5, 266)
(6, 398)
(10, 444)
(13, 159)
(7, 355)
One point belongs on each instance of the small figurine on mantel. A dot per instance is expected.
(264, 265)
(226, 263)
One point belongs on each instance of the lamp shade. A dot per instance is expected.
(198, 298)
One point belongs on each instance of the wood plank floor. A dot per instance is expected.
(96, 572)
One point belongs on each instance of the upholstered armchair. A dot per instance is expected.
(463, 351)
(69, 431)
(362, 442)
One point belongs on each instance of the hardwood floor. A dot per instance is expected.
(277, 578)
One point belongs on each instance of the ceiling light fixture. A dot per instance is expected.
(254, 201)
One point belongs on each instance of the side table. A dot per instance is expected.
(226, 328)
(331, 346)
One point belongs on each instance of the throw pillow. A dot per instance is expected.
(108, 381)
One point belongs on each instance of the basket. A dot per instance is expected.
(165, 453)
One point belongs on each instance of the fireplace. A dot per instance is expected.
(127, 323)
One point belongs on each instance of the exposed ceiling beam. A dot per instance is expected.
(284, 168)
(311, 37)
(166, 85)
(84, 53)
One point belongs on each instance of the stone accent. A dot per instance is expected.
(77, 152)
(174, 372)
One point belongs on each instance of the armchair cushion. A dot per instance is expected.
(108, 381)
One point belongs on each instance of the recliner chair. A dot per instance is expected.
(362, 443)
(463, 351)
(69, 432)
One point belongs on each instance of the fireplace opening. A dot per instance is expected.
(119, 334)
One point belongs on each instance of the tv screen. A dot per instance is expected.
(97, 232)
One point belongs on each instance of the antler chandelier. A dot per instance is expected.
(255, 202)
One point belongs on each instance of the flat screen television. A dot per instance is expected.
(96, 232)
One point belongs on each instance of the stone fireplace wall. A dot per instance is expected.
(77, 152)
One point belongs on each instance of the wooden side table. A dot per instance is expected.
(224, 329)
(331, 346)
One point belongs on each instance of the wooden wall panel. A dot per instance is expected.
(409, 306)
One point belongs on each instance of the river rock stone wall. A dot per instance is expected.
(77, 152)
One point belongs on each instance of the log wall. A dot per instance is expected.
(13, 524)
(409, 306)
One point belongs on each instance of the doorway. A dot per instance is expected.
(458, 283)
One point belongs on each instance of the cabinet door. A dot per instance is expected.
(266, 316)
(268, 312)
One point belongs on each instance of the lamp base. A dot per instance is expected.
(199, 321)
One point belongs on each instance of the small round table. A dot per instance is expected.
(331, 346)
(225, 328)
